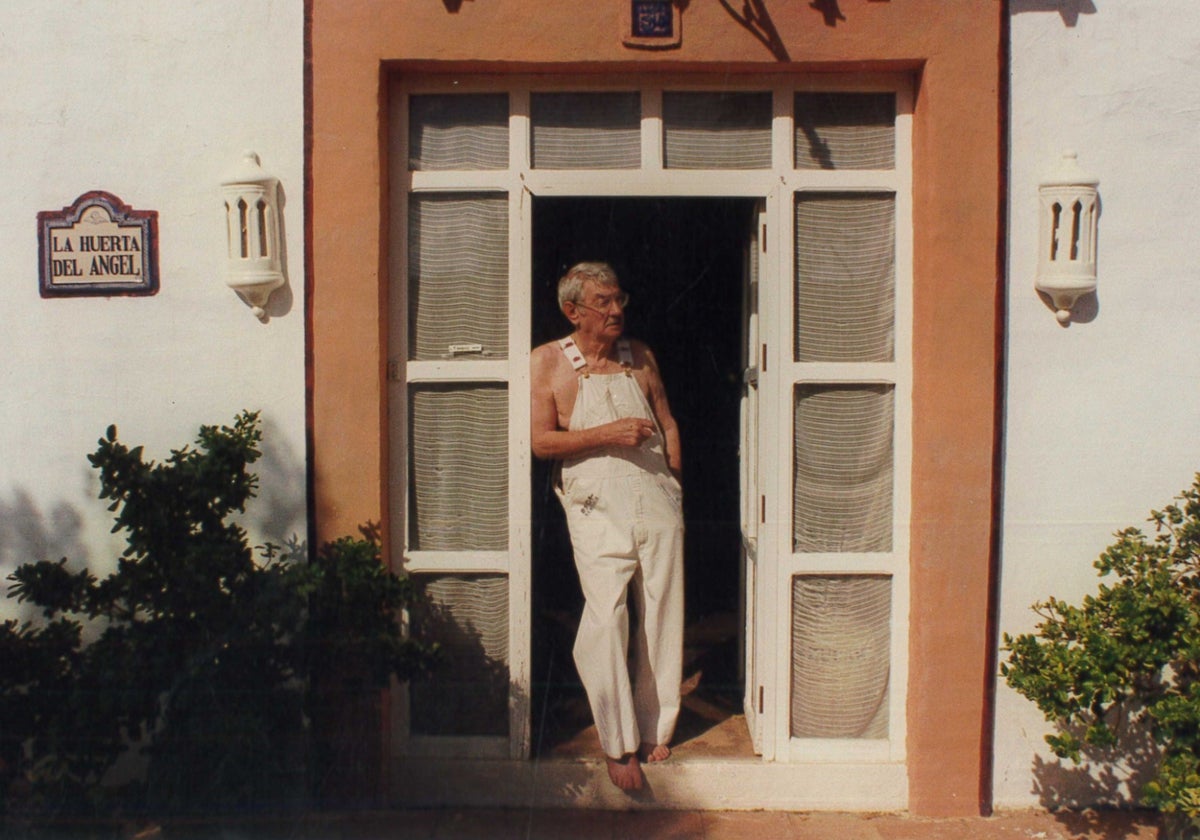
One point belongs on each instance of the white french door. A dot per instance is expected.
(834, 386)
(755, 617)
(825, 405)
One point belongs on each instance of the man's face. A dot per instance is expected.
(600, 311)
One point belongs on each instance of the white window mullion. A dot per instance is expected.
(776, 441)
(904, 415)
(676, 183)
(466, 370)
(781, 128)
(877, 373)
(518, 131)
(845, 180)
(652, 130)
(859, 563)
(399, 183)
(898, 721)
(457, 562)
(452, 180)
(520, 543)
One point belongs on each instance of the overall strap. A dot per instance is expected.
(625, 355)
(573, 354)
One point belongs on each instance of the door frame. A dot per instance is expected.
(776, 186)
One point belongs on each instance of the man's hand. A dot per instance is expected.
(629, 431)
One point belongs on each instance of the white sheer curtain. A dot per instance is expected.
(703, 130)
(841, 644)
(843, 456)
(586, 130)
(459, 468)
(458, 131)
(845, 130)
(845, 278)
(458, 275)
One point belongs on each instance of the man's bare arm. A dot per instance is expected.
(662, 412)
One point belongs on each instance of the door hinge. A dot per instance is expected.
(760, 699)
(763, 366)
(762, 509)
(393, 370)
(762, 240)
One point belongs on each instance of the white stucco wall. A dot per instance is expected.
(154, 102)
(1103, 417)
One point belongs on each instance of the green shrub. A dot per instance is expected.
(198, 649)
(1128, 655)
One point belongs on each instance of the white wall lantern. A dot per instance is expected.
(1070, 205)
(255, 265)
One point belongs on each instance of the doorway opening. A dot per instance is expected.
(683, 261)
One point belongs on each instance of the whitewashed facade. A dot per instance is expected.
(154, 103)
(1102, 417)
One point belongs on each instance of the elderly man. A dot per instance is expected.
(599, 407)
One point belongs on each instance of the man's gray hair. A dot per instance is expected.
(570, 287)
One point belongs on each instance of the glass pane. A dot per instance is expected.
(843, 451)
(845, 278)
(586, 130)
(467, 694)
(717, 130)
(841, 651)
(458, 276)
(845, 131)
(458, 481)
(458, 131)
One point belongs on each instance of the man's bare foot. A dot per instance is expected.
(652, 753)
(625, 772)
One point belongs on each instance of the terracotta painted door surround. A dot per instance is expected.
(950, 52)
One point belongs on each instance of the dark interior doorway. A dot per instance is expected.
(682, 261)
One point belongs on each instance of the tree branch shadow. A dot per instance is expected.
(29, 534)
(1070, 10)
(755, 19)
(280, 508)
(829, 10)
(1106, 779)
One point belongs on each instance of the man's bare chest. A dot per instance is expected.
(566, 390)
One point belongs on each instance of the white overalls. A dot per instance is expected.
(624, 512)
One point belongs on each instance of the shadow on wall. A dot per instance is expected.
(29, 534)
(755, 19)
(279, 510)
(1069, 9)
(468, 692)
(283, 298)
(1085, 310)
(1110, 777)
